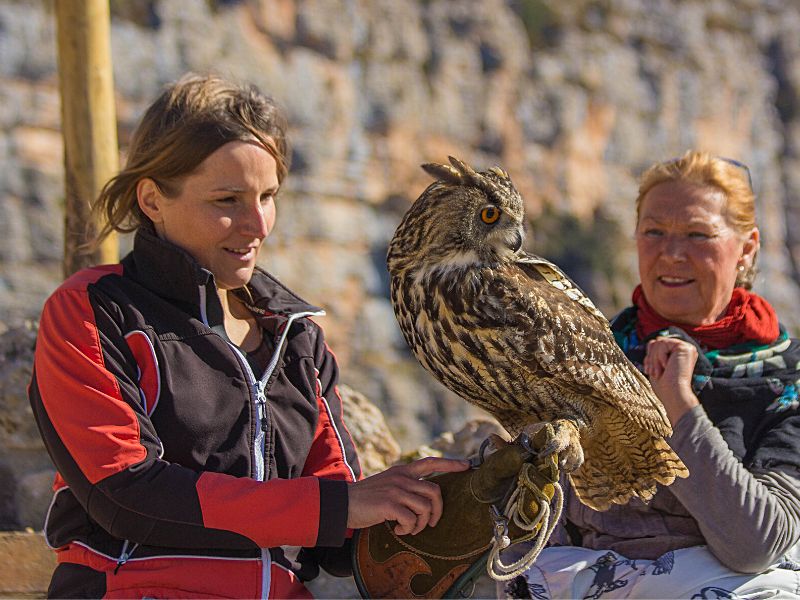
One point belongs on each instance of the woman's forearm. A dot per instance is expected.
(748, 520)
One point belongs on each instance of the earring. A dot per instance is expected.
(740, 268)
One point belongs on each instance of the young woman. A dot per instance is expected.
(186, 397)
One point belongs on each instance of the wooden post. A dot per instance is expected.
(88, 123)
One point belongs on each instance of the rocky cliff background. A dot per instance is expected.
(574, 98)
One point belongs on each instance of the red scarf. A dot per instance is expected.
(749, 318)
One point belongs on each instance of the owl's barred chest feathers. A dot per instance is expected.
(482, 340)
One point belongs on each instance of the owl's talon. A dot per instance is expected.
(565, 442)
(553, 447)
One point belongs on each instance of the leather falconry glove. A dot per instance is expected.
(503, 501)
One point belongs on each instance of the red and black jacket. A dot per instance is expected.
(169, 451)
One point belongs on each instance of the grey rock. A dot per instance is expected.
(377, 448)
(34, 493)
(17, 427)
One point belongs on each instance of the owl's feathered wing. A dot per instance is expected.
(573, 342)
(625, 453)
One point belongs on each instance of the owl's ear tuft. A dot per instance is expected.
(468, 175)
(443, 172)
(500, 172)
(459, 174)
(468, 172)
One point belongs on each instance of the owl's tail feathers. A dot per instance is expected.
(623, 461)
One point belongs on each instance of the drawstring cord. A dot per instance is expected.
(125, 555)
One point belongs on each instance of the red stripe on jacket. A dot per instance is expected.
(249, 508)
(186, 576)
(327, 457)
(357, 464)
(149, 376)
(75, 386)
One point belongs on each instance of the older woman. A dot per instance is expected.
(727, 373)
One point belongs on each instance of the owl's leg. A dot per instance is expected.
(566, 442)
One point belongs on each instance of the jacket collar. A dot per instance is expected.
(264, 294)
(174, 274)
(167, 269)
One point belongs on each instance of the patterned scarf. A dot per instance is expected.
(749, 318)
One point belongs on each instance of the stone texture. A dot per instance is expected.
(17, 428)
(27, 564)
(377, 448)
(25, 471)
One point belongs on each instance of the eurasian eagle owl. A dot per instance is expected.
(511, 333)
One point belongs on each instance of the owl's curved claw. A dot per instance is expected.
(565, 442)
(569, 458)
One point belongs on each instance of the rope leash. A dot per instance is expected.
(547, 518)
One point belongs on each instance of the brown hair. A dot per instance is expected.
(192, 118)
(730, 177)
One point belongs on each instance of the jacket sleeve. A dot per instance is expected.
(85, 397)
(333, 454)
(757, 510)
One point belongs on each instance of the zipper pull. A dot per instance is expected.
(261, 399)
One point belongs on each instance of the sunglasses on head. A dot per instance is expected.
(730, 161)
(741, 165)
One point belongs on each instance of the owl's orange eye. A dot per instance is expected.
(490, 214)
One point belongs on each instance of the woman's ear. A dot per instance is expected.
(150, 199)
(751, 245)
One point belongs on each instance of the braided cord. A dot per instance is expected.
(546, 521)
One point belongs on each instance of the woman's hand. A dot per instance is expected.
(398, 494)
(669, 364)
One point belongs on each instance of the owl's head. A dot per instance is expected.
(464, 219)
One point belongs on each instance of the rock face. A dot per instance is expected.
(574, 99)
(25, 470)
(377, 447)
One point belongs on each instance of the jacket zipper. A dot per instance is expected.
(258, 392)
(261, 386)
(259, 398)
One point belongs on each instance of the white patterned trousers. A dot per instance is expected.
(691, 573)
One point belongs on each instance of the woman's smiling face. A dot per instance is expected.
(688, 252)
(223, 213)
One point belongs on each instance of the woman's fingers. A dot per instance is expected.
(419, 500)
(398, 494)
(427, 489)
(664, 350)
(432, 464)
(670, 364)
(407, 521)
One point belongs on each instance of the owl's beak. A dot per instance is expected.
(517, 242)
